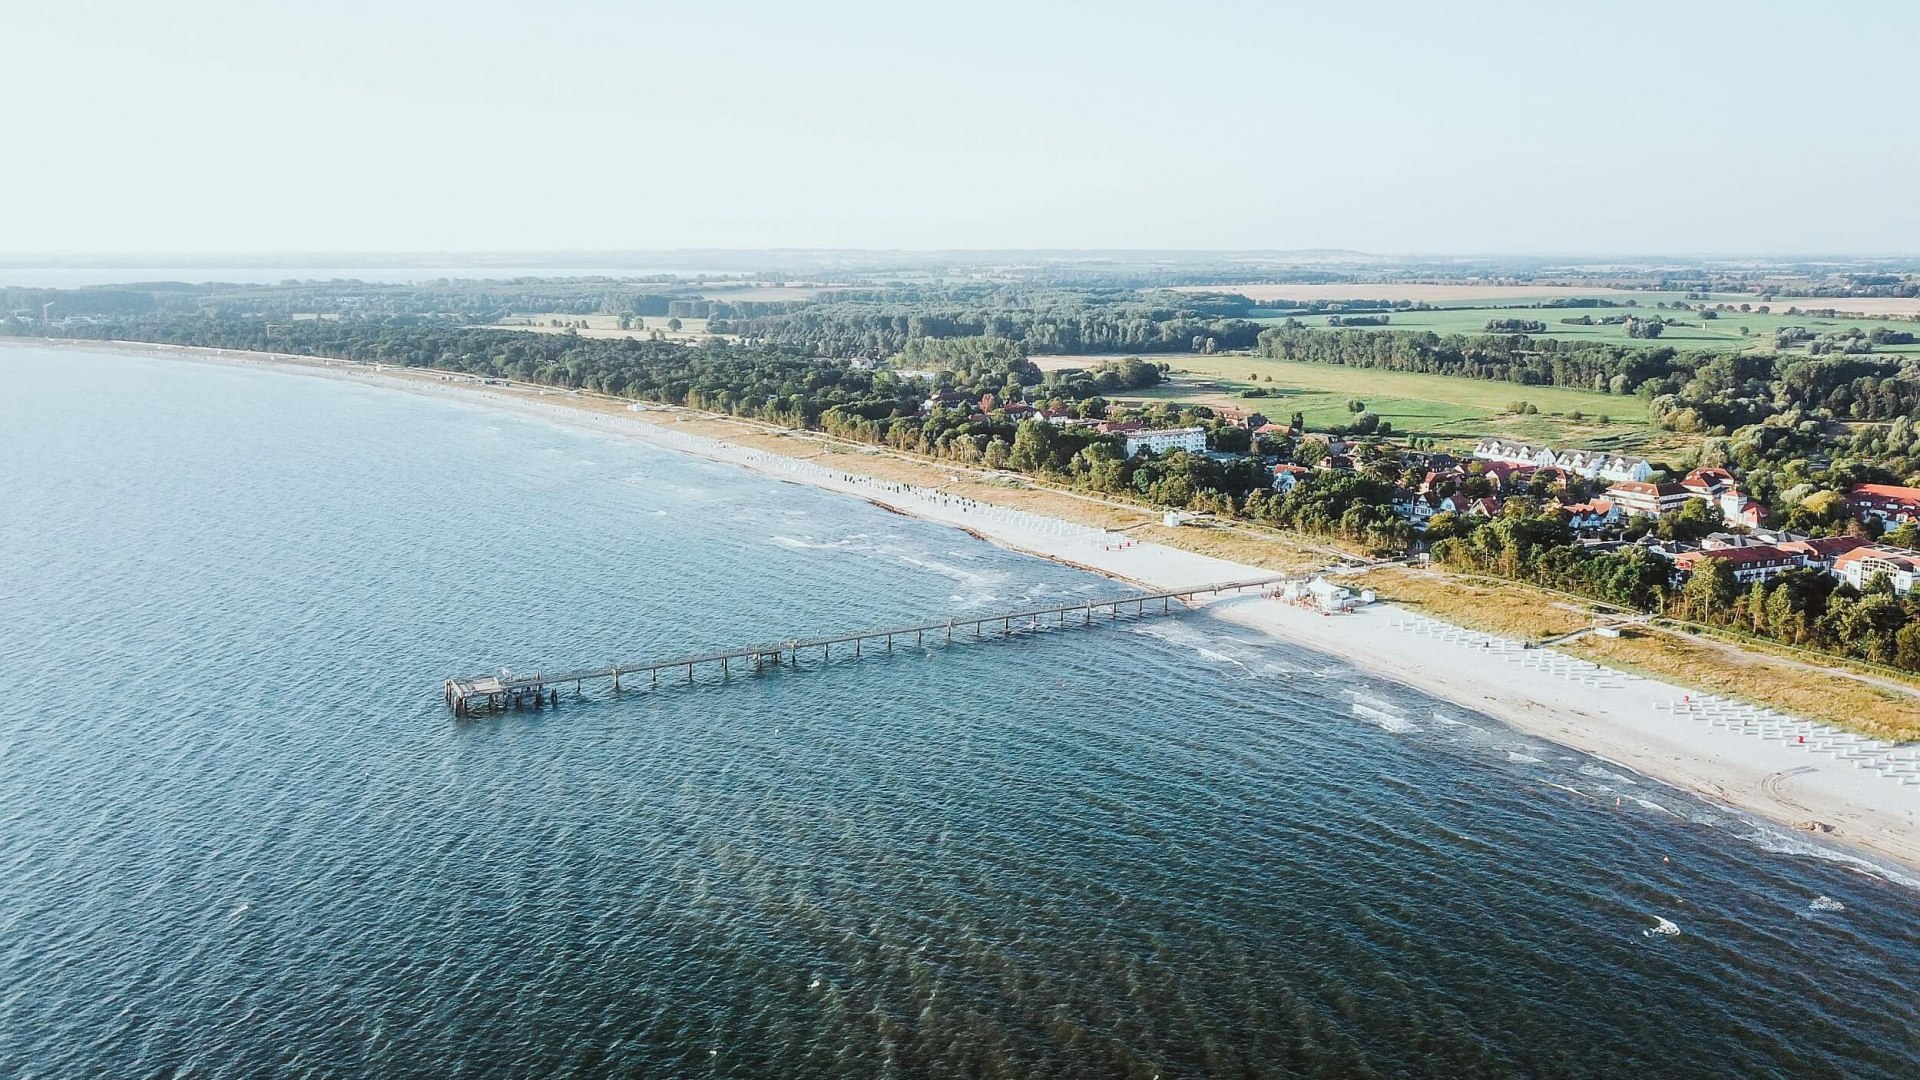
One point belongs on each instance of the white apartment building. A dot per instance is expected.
(1592, 464)
(1857, 567)
(1190, 439)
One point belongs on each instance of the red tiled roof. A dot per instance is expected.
(1823, 547)
(1739, 556)
(1641, 487)
(1887, 492)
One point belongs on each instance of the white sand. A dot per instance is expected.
(1800, 774)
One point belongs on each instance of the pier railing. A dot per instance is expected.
(539, 689)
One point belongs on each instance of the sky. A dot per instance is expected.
(255, 126)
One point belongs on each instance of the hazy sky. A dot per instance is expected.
(475, 125)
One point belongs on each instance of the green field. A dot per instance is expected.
(1456, 410)
(1721, 334)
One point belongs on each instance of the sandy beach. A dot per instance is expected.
(1819, 785)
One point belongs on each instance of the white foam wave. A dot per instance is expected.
(1386, 721)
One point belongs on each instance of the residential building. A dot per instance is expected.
(1651, 500)
(1756, 562)
(1592, 464)
(1891, 503)
(1820, 552)
(1517, 453)
(945, 399)
(1718, 488)
(1859, 566)
(1707, 483)
(1191, 439)
(1596, 465)
(1590, 515)
(1287, 475)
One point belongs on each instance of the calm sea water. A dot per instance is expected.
(240, 836)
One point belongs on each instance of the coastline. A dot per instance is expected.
(1650, 727)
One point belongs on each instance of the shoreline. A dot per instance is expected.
(1844, 797)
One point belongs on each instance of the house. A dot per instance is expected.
(1287, 475)
(1596, 465)
(1590, 515)
(1718, 488)
(1485, 506)
(1820, 552)
(1553, 476)
(1517, 453)
(1750, 563)
(1018, 412)
(1722, 540)
(1120, 427)
(945, 399)
(1891, 503)
(1707, 483)
(1190, 439)
(1418, 509)
(1507, 476)
(1862, 564)
(1592, 464)
(1063, 418)
(1648, 499)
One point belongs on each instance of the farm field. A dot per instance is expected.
(1720, 334)
(1456, 411)
(1431, 293)
(1522, 295)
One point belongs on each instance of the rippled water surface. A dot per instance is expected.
(240, 835)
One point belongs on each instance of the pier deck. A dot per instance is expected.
(537, 689)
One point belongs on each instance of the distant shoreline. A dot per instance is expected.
(1621, 720)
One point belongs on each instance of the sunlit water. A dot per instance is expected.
(241, 836)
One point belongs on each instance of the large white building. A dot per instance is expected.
(1857, 567)
(1190, 439)
(1592, 464)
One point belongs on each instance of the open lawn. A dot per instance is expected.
(1453, 409)
(1704, 335)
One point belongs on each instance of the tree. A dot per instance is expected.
(1355, 405)
(1709, 590)
(673, 324)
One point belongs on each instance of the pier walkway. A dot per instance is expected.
(538, 689)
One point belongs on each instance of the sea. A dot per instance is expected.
(241, 835)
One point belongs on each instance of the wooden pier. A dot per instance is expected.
(539, 689)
